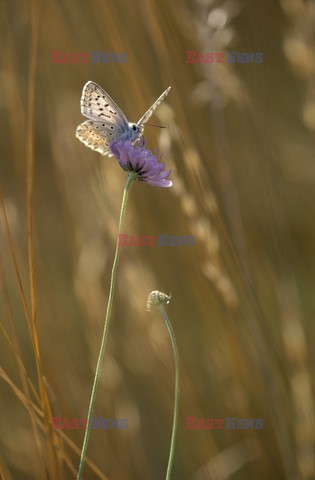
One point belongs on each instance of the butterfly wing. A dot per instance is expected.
(96, 104)
(148, 114)
(95, 136)
(106, 121)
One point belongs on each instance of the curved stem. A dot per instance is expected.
(175, 416)
(130, 179)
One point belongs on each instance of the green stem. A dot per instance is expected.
(130, 179)
(173, 439)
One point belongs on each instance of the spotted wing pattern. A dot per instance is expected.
(106, 121)
(90, 134)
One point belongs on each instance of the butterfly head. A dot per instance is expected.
(134, 131)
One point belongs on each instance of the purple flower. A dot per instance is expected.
(141, 161)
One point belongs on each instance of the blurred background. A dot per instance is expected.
(240, 141)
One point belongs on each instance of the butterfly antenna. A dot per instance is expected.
(158, 126)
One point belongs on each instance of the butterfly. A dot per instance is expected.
(106, 121)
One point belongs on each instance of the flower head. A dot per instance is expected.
(142, 162)
(156, 299)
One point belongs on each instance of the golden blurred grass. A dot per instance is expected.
(240, 142)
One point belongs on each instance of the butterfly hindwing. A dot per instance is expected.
(96, 136)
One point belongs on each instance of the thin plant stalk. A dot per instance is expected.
(130, 179)
(175, 416)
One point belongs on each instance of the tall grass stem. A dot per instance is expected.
(129, 181)
(175, 416)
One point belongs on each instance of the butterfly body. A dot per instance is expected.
(106, 121)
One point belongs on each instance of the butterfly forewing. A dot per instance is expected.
(148, 113)
(96, 104)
